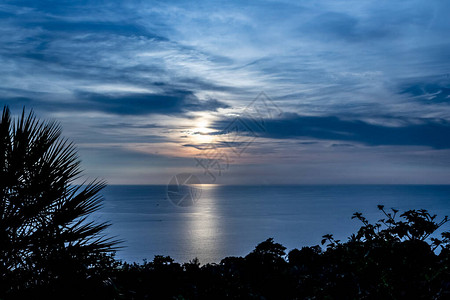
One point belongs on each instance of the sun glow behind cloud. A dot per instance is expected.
(200, 134)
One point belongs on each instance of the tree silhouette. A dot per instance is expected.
(45, 233)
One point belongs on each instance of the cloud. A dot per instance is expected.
(303, 54)
(428, 92)
(434, 133)
(129, 125)
(341, 145)
(101, 68)
(333, 24)
(175, 102)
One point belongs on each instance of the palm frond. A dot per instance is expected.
(42, 212)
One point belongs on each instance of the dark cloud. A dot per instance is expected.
(99, 28)
(344, 27)
(199, 147)
(175, 102)
(170, 103)
(342, 145)
(428, 92)
(433, 133)
(333, 24)
(129, 125)
(215, 145)
(307, 143)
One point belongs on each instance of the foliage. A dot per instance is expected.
(394, 258)
(46, 239)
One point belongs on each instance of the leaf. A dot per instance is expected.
(43, 214)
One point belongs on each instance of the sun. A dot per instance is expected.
(200, 134)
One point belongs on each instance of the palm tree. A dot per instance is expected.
(44, 217)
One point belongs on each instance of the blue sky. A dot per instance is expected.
(361, 88)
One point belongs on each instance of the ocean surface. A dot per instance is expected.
(232, 220)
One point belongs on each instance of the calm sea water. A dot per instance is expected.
(231, 220)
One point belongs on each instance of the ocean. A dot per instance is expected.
(232, 220)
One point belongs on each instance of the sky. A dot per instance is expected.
(238, 92)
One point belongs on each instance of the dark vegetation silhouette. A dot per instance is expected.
(47, 244)
(49, 248)
(394, 258)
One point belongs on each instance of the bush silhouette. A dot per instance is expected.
(394, 258)
(46, 240)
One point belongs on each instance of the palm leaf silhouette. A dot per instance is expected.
(43, 215)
